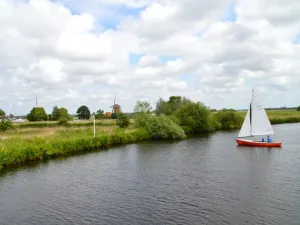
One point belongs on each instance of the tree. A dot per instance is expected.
(55, 113)
(83, 112)
(170, 106)
(99, 114)
(161, 107)
(123, 120)
(142, 107)
(193, 117)
(229, 119)
(63, 114)
(2, 113)
(37, 114)
(298, 109)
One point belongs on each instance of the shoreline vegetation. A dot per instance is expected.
(173, 119)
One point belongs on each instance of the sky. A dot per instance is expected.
(72, 52)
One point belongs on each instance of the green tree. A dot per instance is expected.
(2, 113)
(170, 106)
(99, 114)
(37, 114)
(123, 120)
(83, 113)
(55, 113)
(63, 114)
(5, 125)
(193, 117)
(161, 107)
(229, 119)
(142, 107)
(298, 108)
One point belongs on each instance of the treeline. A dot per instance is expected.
(179, 116)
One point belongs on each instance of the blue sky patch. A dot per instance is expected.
(166, 58)
(230, 14)
(134, 58)
(296, 40)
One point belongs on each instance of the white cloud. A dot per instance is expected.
(49, 51)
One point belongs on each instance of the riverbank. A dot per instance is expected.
(43, 140)
(31, 144)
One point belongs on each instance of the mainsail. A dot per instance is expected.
(256, 121)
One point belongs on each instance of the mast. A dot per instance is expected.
(251, 111)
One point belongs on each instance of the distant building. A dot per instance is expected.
(116, 108)
(107, 114)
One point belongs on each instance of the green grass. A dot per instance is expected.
(280, 116)
(24, 145)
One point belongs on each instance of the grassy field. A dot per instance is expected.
(278, 114)
(34, 143)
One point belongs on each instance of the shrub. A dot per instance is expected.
(160, 126)
(229, 119)
(37, 114)
(123, 120)
(114, 115)
(193, 117)
(5, 125)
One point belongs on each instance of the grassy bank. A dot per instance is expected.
(21, 145)
(42, 140)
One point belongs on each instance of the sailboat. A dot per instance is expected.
(256, 123)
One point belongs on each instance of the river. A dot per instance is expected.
(201, 180)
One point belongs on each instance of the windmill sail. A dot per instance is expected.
(256, 121)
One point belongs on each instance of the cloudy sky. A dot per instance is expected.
(74, 52)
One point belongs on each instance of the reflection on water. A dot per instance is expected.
(206, 179)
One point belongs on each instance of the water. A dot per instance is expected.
(201, 180)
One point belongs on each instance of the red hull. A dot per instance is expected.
(257, 143)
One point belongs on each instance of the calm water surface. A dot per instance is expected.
(201, 180)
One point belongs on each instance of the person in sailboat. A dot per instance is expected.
(262, 140)
(269, 139)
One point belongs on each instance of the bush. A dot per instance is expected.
(229, 119)
(37, 114)
(114, 116)
(123, 120)
(5, 125)
(193, 117)
(298, 108)
(160, 126)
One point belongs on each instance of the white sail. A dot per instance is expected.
(246, 128)
(256, 121)
(260, 123)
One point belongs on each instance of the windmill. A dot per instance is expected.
(115, 107)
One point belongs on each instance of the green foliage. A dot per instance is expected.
(21, 150)
(298, 108)
(99, 114)
(83, 113)
(160, 126)
(5, 125)
(63, 114)
(37, 114)
(2, 113)
(123, 120)
(193, 117)
(55, 113)
(229, 119)
(142, 107)
(100, 111)
(170, 106)
(114, 115)
(161, 107)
